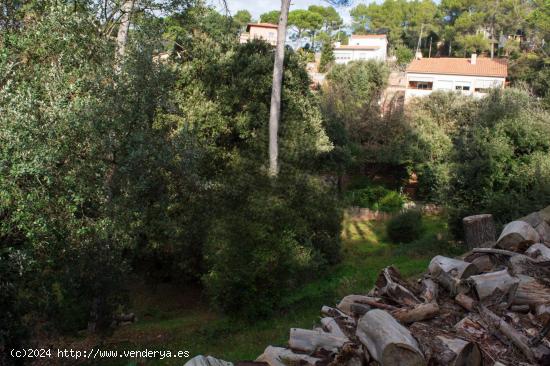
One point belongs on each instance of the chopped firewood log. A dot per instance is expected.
(350, 355)
(495, 287)
(534, 219)
(390, 285)
(531, 292)
(346, 302)
(539, 252)
(375, 303)
(520, 308)
(478, 229)
(359, 309)
(534, 354)
(517, 236)
(443, 348)
(207, 361)
(429, 290)
(484, 263)
(338, 314)
(303, 340)
(470, 328)
(465, 301)
(449, 272)
(542, 311)
(543, 229)
(387, 341)
(331, 326)
(418, 313)
(277, 356)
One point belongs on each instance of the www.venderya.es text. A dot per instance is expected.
(96, 353)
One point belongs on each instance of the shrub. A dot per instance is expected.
(267, 240)
(405, 227)
(376, 198)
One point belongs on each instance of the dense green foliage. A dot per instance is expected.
(405, 227)
(115, 168)
(376, 198)
(349, 103)
(488, 155)
(327, 57)
(457, 27)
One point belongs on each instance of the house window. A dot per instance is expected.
(462, 87)
(422, 85)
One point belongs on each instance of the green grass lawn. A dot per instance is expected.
(173, 319)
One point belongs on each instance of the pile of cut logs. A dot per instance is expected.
(488, 307)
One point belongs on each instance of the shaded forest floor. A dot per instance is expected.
(170, 318)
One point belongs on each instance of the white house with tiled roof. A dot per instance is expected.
(362, 47)
(471, 76)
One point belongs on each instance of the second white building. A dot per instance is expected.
(362, 47)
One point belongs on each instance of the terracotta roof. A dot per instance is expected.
(357, 47)
(360, 36)
(261, 25)
(460, 66)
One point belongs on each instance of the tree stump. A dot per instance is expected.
(479, 229)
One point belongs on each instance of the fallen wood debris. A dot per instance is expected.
(491, 308)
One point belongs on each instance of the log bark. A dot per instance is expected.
(444, 349)
(331, 326)
(345, 304)
(387, 341)
(465, 301)
(539, 252)
(309, 341)
(517, 236)
(470, 328)
(543, 229)
(418, 313)
(277, 356)
(390, 285)
(429, 290)
(495, 287)
(531, 292)
(534, 355)
(338, 315)
(478, 229)
(542, 311)
(449, 272)
(484, 263)
(207, 361)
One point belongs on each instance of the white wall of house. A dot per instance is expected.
(368, 41)
(465, 84)
(268, 34)
(375, 48)
(344, 55)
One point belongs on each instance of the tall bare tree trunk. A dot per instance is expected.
(275, 111)
(122, 36)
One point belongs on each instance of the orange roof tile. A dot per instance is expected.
(261, 25)
(460, 66)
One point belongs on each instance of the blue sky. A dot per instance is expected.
(257, 7)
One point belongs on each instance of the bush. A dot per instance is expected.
(405, 227)
(270, 239)
(376, 198)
